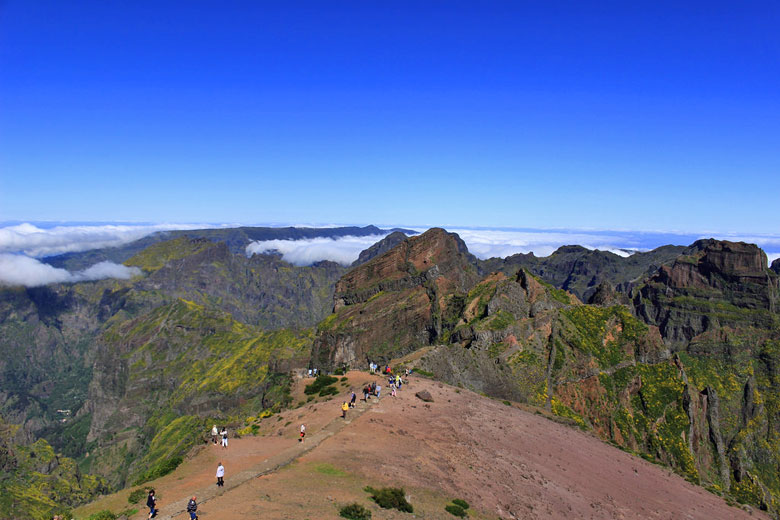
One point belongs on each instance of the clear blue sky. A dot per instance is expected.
(617, 115)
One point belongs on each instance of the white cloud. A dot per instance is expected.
(34, 241)
(488, 243)
(23, 270)
(343, 250)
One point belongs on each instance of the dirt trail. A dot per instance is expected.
(506, 462)
(269, 465)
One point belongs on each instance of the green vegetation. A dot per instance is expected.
(157, 255)
(160, 469)
(320, 384)
(41, 483)
(102, 515)
(456, 510)
(355, 511)
(390, 498)
(604, 333)
(461, 503)
(137, 495)
(329, 469)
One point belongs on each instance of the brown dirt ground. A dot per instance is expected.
(505, 461)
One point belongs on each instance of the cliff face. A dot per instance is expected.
(580, 271)
(682, 371)
(716, 284)
(394, 303)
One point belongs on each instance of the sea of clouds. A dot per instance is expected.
(488, 243)
(22, 246)
(343, 250)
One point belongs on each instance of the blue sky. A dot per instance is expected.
(607, 115)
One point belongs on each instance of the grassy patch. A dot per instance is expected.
(329, 469)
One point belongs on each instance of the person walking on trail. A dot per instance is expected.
(344, 408)
(352, 401)
(151, 503)
(224, 437)
(192, 508)
(303, 432)
(366, 391)
(214, 434)
(220, 475)
(392, 390)
(378, 391)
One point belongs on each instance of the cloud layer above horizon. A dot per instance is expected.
(30, 272)
(22, 244)
(488, 243)
(342, 250)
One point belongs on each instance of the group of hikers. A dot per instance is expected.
(395, 381)
(223, 434)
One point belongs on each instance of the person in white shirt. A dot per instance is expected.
(220, 475)
(303, 432)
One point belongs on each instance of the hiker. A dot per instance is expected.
(352, 401)
(366, 391)
(373, 388)
(378, 390)
(303, 432)
(214, 434)
(220, 475)
(310, 372)
(398, 381)
(344, 408)
(392, 392)
(192, 507)
(224, 437)
(151, 503)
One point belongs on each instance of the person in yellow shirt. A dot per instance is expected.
(344, 408)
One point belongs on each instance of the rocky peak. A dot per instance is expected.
(394, 303)
(434, 255)
(714, 283)
(776, 266)
(380, 248)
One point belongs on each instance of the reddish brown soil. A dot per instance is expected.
(506, 462)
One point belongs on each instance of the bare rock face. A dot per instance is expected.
(424, 395)
(717, 283)
(394, 303)
(380, 248)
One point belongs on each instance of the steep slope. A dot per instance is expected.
(394, 302)
(236, 240)
(580, 270)
(262, 290)
(159, 378)
(504, 461)
(36, 483)
(694, 386)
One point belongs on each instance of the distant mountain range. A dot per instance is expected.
(671, 354)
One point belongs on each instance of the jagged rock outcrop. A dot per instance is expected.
(394, 303)
(380, 248)
(580, 271)
(716, 284)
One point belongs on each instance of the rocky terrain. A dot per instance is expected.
(504, 461)
(670, 355)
